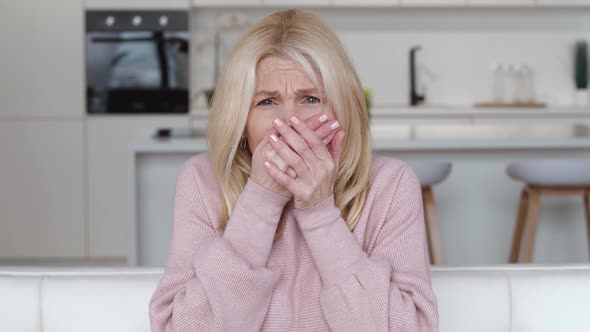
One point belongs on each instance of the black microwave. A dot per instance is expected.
(137, 62)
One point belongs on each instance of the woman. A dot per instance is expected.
(289, 223)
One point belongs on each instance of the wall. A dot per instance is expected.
(459, 47)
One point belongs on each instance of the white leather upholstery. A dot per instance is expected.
(555, 301)
(110, 302)
(430, 173)
(19, 303)
(554, 172)
(516, 298)
(472, 300)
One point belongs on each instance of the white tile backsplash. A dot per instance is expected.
(461, 63)
(459, 46)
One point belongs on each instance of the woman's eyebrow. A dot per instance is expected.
(305, 92)
(274, 93)
(267, 93)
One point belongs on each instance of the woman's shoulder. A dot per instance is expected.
(391, 177)
(199, 168)
(390, 170)
(199, 161)
(198, 176)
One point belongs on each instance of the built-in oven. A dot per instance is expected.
(137, 62)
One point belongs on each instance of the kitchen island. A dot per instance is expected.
(476, 204)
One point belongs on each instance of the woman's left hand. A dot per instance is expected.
(315, 163)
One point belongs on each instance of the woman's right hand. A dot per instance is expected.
(264, 152)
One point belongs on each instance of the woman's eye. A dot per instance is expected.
(264, 102)
(312, 100)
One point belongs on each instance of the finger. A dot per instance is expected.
(272, 155)
(268, 133)
(281, 164)
(328, 139)
(292, 159)
(312, 139)
(316, 120)
(319, 122)
(280, 177)
(291, 172)
(326, 130)
(335, 146)
(265, 138)
(322, 128)
(296, 142)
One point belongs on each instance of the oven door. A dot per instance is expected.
(137, 72)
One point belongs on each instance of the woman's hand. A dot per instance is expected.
(315, 163)
(264, 151)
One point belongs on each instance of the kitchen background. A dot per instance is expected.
(79, 188)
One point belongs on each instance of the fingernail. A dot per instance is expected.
(294, 120)
(334, 125)
(274, 138)
(323, 118)
(267, 164)
(278, 122)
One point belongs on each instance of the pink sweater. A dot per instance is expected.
(318, 276)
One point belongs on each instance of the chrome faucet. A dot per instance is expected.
(415, 98)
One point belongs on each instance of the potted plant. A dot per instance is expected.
(368, 100)
(209, 95)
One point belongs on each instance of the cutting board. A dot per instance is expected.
(509, 105)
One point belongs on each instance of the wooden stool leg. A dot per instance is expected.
(432, 229)
(532, 220)
(519, 226)
(587, 210)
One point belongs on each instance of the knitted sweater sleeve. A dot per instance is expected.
(386, 290)
(215, 282)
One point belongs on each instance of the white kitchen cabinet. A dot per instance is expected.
(297, 3)
(501, 3)
(366, 3)
(108, 138)
(42, 200)
(563, 3)
(226, 3)
(42, 67)
(137, 4)
(433, 3)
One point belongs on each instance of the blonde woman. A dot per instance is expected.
(289, 223)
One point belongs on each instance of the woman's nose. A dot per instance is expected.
(287, 112)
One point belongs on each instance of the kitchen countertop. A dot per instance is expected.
(484, 111)
(391, 134)
(148, 144)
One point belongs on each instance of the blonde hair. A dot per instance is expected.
(303, 38)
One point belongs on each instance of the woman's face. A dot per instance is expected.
(282, 90)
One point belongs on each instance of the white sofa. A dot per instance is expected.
(515, 298)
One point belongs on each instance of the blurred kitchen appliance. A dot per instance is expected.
(137, 62)
(415, 98)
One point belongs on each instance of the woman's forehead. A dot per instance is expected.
(274, 70)
(274, 65)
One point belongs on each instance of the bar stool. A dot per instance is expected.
(431, 173)
(545, 177)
